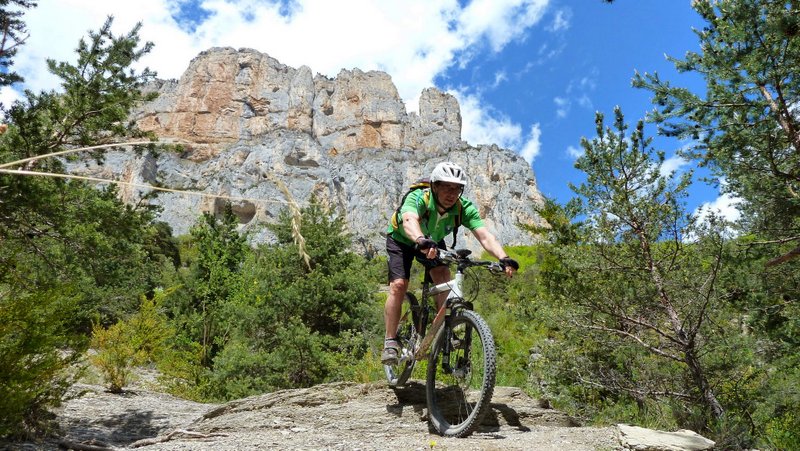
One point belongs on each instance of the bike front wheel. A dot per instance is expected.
(461, 375)
(409, 336)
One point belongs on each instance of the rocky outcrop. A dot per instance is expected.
(329, 416)
(643, 439)
(242, 119)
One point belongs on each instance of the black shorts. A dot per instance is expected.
(401, 255)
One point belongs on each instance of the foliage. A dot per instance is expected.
(642, 301)
(14, 35)
(37, 349)
(70, 252)
(201, 308)
(745, 128)
(129, 343)
(299, 316)
(56, 231)
(263, 319)
(355, 357)
(221, 251)
(562, 226)
(652, 318)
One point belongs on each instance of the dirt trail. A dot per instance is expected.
(339, 416)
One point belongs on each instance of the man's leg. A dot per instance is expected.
(391, 317)
(400, 258)
(440, 274)
(394, 304)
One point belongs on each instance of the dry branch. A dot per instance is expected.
(173, 434)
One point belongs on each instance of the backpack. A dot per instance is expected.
(426, 198)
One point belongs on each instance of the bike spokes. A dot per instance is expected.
(461, 374)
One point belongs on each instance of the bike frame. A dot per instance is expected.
(454, 288)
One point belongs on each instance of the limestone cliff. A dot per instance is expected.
(243, 117)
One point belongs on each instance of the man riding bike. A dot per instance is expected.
(420, 231)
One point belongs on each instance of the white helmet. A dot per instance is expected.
(448, 172)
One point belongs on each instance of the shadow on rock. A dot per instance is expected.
(511, 409)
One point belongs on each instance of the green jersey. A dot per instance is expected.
(434, 225)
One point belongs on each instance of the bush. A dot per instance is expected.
(36, 351)
(130, 343)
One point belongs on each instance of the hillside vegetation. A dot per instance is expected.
(632, 310)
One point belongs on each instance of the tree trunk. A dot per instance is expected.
(699, 377)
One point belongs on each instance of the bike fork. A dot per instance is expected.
(453, 343)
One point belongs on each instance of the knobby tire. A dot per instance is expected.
(460, 397)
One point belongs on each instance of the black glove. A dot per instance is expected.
(507, 261)
(424, 243)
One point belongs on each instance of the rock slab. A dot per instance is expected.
(336, 416)
(643, 439)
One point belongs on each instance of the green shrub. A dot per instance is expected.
(355, 358)
(37, 351)
(135, 341)
(115, 354)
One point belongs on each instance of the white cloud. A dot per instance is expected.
(484, 125)
(561, 21)
(575, 152)
(51, 36)
(413, 41)
(8, 96)
(587, 83)
(562, 106)
(533, 145)
(672, 164)
(499, 77)
(576, 92)
(500, 21)
(585, 102)
(724, 206)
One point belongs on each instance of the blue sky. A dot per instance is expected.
(529, 74)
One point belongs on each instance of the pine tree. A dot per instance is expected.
(639, 297)
(70, 252)
(14, 34)
(745, 127)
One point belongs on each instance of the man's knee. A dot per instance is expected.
(398, 287)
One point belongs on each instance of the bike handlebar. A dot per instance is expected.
(461, 258)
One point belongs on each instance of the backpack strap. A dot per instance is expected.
(397, 219)
(457, 223)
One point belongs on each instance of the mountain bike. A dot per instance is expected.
(458, 345)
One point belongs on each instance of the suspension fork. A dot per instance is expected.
(453, 342)
(456, 303)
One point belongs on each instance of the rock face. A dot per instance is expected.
(243, 119)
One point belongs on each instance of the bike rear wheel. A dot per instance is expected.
(409, 336)
(461, 375)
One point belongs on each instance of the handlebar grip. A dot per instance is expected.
(424, 243)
